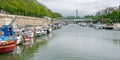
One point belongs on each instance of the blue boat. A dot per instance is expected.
(7, 39)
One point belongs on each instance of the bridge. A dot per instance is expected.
(77, 20)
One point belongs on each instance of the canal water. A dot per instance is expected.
(71, 42)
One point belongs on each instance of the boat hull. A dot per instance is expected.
(108, 27)
(8, 47)
(38, 34)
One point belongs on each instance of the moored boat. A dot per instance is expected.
(7, 39)
(116, 27)
(18, 35)
(19, 38)
(28, 33)
(98, 25)
(39, 31)
(7, 46)
(108, 27)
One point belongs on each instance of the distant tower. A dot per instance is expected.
(119, 6)
(76, 13)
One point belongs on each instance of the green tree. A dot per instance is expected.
(27, 8)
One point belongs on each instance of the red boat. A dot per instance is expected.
(7, 46)
(7, 39)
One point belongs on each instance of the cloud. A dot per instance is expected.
(84, 7)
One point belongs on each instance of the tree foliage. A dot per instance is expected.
(27, 8)
(113, 17)
(91, 17)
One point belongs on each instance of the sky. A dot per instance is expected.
(84, 7)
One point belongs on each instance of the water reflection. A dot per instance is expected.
(18, 50)
(25, 51)
(116, 41)
(71, 42)
(8, 56)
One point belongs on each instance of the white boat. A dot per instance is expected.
(18, 35)
(19, 39)
(50, 29)
(28, 33)
(39, 31)
(44, 29)
(98, 26)
(116, 27)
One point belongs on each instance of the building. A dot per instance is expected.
(101, 12)
(98, 13)
(106, 11)
(110, 10)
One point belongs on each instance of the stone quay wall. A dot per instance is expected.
(6, 19)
